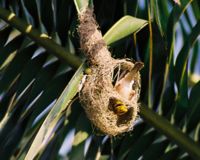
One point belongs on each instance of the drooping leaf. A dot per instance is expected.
(194, 109)
(15, 67)
(83, 130)
(46, 130)
(124, 27)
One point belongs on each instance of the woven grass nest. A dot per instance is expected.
(100, 89)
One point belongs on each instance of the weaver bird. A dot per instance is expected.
(119, 107)
(125, 86)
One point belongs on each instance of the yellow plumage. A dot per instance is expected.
(119, 107)
(124, 87)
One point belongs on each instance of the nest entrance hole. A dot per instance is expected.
(124, 118)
